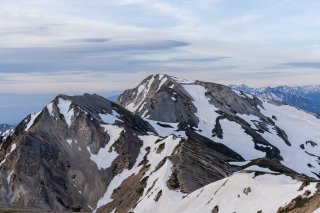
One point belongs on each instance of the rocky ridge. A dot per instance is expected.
(167, 145)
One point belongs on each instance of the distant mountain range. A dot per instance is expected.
(5, 127)
(167, 145)
(305, 97)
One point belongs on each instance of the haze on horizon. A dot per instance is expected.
(99, 46)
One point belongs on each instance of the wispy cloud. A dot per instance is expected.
(222, 39)
(90, 40)
(314, 65)
(110, 56)
(76, 46)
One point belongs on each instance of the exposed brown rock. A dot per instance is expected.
(302, 204)
(160, 148)
(126, 196)
(158, 196)
(215, 209)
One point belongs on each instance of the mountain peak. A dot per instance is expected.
(149, 97)
(199, 108)
(64, 108)
(66, 146)
(185, 145)
(164, 78)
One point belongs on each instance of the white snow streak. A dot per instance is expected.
(64, 107)
(50, 109)
(13, 147)
(32, 119)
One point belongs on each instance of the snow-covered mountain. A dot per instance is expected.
(5, 130)
(5, 127)
(168, 145)
(305, 97)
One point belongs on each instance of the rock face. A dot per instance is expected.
(216, 112)
(58, 158)
(160, 98)
(168, 145)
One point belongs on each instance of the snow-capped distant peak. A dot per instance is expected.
(303, 97)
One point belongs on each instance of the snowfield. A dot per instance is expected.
(304, 135)
(241, 193)
(269, 191)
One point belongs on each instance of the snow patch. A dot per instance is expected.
(236, 139)
(206, 112)
(181, 80)
(110, 118)
(50, 109)
(259, 169)
(32, 119)
(64, 108)
(166, 131)
(163, 80)
(69, 141)
(9, 177)
(241, 163)
(106, 155)
(13, 147)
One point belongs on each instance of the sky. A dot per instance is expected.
(105, 46)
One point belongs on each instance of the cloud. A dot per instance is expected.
(222, 39)
(164, 7)
(90, 40)
(111, 56)
(202, 60)
(313, 65)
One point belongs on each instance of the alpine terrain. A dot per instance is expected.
(168, 145)
(5, 129)
(306, 97)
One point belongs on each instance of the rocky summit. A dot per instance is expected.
(168, 145)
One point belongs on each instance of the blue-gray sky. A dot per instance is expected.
(75, 46)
